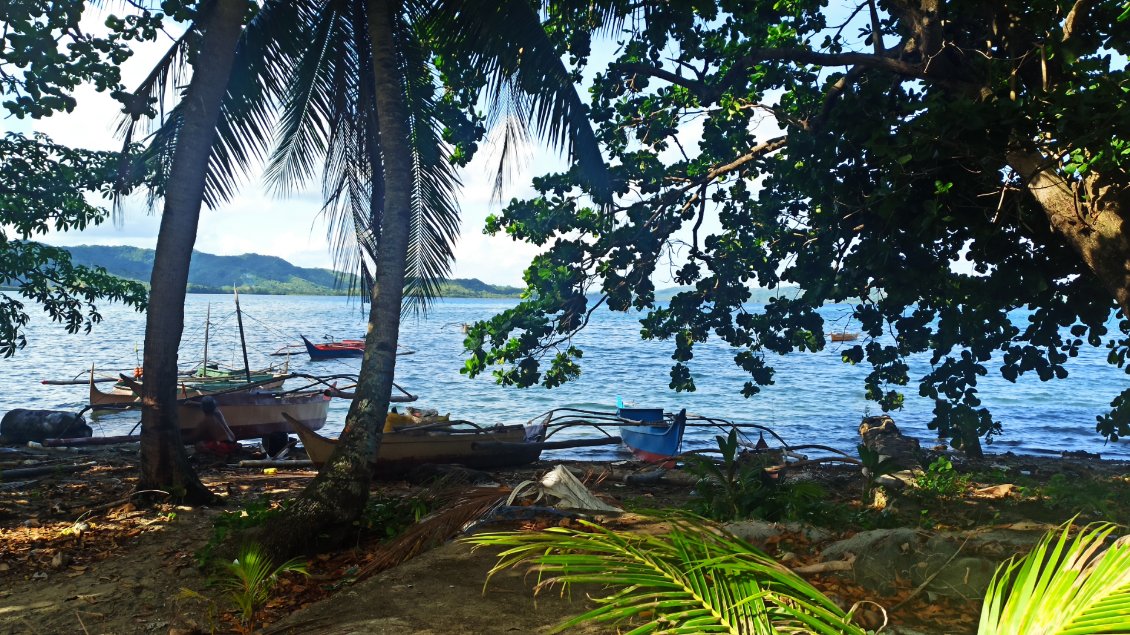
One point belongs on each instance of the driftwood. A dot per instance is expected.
(270, 463)
(43, 470)
(882, 435)
(826, 567)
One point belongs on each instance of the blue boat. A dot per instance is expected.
(657, 439)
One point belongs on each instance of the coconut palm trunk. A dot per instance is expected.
(339, 493)
(164, 464)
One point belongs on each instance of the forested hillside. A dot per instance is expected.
(253, 273)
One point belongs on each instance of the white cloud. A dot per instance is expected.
(257, 222)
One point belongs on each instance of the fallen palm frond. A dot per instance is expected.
(694, 579)
(455, 513)
(1077, 588)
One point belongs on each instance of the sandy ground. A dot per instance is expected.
(77, 557)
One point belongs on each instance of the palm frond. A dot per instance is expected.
(1063, 586)
(266, 50)
(458, 508)
(311, 97)
(523, 61)
(435, 213)
(692, 580)
(264, 58)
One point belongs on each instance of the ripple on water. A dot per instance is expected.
(815, 398)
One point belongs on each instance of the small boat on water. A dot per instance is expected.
(445, 442)
(250, 415)
(843, 336)
(333, 350)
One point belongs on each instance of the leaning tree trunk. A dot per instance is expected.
(337, 496)
(1090, 215)
(164, 464)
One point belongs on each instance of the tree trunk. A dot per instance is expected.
(164, 464)
(1091, 221)
(337, 496)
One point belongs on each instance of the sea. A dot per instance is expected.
(816, 398)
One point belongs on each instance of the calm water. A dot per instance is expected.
(816, 398)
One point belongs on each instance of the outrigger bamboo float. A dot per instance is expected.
(444, 442)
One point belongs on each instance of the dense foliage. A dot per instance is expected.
(937, 164)
(43, 186)
(44, 56)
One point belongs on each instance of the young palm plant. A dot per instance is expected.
(700, 580)
(694, 579)
(252, 577)
(1063, 585)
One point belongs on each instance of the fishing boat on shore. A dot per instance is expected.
(445, 442)
(653, 438)
(196, 384)
(250, 414)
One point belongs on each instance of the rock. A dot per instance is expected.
(957, 564)
(20, 426)
(756, 532)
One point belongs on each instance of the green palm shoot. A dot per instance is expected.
(691, 580)
(1063, 586)
(252, 578)
(697, 579)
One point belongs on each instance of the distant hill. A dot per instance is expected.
(253, 273)
(757, 296)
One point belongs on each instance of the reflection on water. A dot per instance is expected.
(816, 398)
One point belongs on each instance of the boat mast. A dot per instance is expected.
(207, 326)
(242, 340)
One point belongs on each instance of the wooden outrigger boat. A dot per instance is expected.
(332, 350)
(251, 415)
(191, 386)
(459, 442)
(653, 438)
(207, 379)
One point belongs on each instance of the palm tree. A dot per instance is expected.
(206, 142)
(390, 134)
(361, 94)
(164, 465)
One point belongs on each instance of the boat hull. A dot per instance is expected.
(402, 450)
(654, 441)
(256, 415)
(187, 389)
(252, 415)
(351, 348)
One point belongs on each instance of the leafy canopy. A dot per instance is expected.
(44, 56)
(42, 187)
(867, 156)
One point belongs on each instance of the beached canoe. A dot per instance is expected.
(444, 443)
(655, 439)
(252, 415)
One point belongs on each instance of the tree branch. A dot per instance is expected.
(1075, 18)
